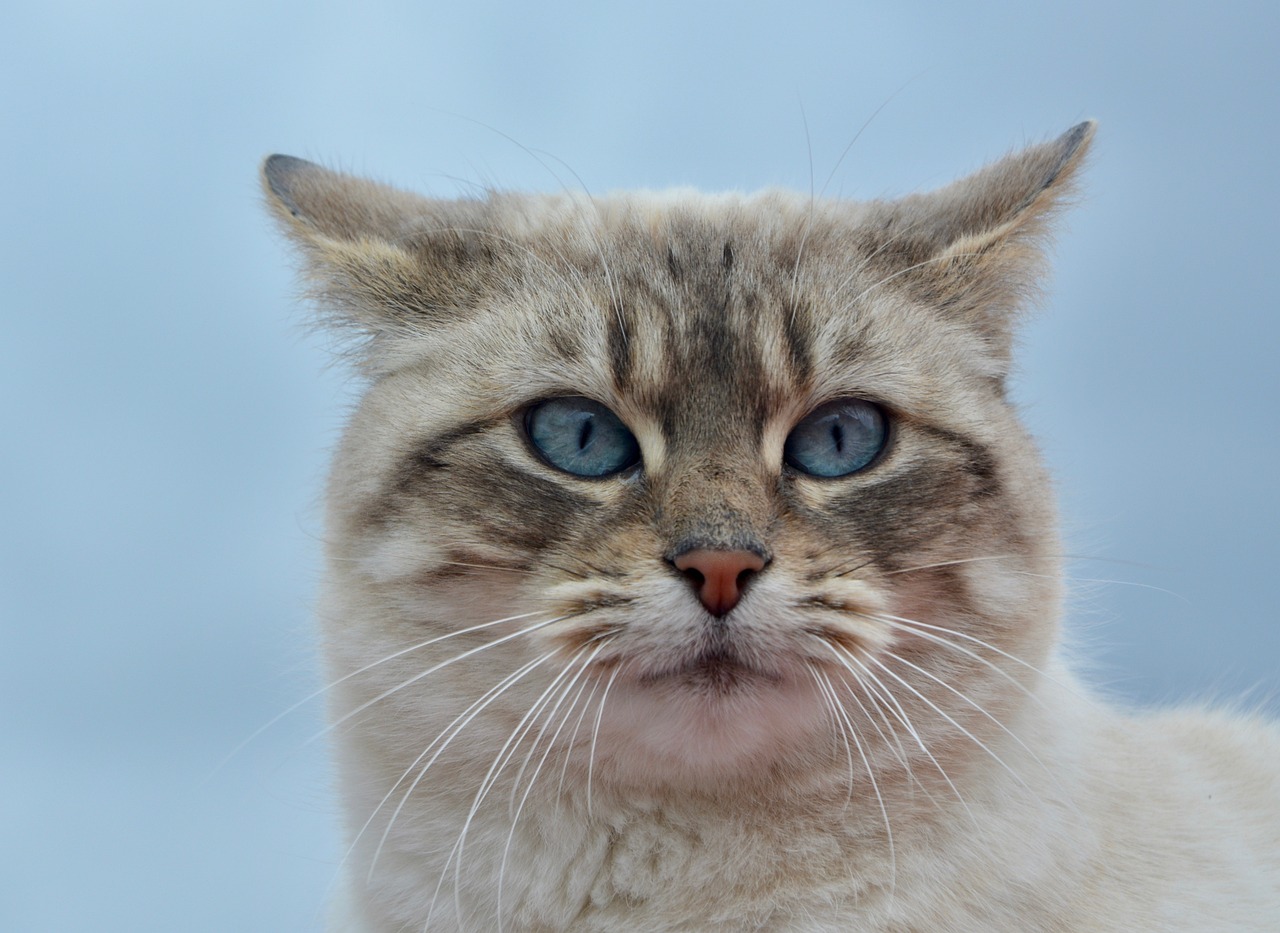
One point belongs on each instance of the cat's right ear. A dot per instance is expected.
(975, 249)
(388, 262)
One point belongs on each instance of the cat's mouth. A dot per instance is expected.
(717, 667)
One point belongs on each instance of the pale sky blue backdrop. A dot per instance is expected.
(166, 416)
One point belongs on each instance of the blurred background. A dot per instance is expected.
(166, 414)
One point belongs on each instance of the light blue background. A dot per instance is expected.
(166, 414)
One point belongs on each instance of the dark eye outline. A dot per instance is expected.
(524, 420)
(886, 442)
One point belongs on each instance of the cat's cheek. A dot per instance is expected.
(398, 557)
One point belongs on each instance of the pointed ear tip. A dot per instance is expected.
(278, 170)
(1078, 137)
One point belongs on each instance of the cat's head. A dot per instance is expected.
(696, 481)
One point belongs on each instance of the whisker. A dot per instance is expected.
(515, 784)
(595, 734)
(862, 129)
(941, 712)
(897, 237)
(883, 694)
(899, 752)
(950, 563)
(837, 729)
(1133, 583)
(431, 670)
(506, 849)
(970, 701)
(573, 736)
(499, 567)
(808, 225)
(938, 639)
(459, 723)
(946, 257)
(804, 239)
(859, 564)
(499, 763)
(908, 623)
(368, 667)
(852, 732)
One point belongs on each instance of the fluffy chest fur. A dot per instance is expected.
(689, 569)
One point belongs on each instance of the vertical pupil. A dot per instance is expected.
(837, 437)
(584, 433)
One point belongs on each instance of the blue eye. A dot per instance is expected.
(837, 439)
(581, 437)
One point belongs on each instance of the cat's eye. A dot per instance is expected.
(837, 438)
(581, 436)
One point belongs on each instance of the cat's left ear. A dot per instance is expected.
(976, 248)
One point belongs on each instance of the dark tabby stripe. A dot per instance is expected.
(979, 462)
(468, 483)
(903, 513)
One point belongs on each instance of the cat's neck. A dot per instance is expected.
(636, 848)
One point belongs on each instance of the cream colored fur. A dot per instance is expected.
(525, 737)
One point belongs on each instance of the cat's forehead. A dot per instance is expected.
(508, 294)
(680, 304)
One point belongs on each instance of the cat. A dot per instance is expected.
(689, 569)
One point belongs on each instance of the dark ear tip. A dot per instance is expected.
(278, 169)
(280, 172)
(1068, 147)
(1080, 133)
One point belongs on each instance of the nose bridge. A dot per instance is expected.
(716, 503)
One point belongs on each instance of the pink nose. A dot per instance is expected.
(719, 576)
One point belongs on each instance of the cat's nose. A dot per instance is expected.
(718, 576)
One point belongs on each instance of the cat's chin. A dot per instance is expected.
(715, 673)
(712, 719)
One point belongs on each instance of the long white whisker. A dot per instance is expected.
(368, 667)
(568, 687)
(941, 712)
(804, 239)
(837, 727)
(448, 734)
(908, 623)
(573, 736)
(506, 849)
(885, 695)
(595, 734)
(892, 741)
(949, 563)
(938, 639)
(431, 670)
(875, 786)
(970, 701)
(1134, 583)
(499, 763)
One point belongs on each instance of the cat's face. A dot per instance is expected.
(682, 485)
